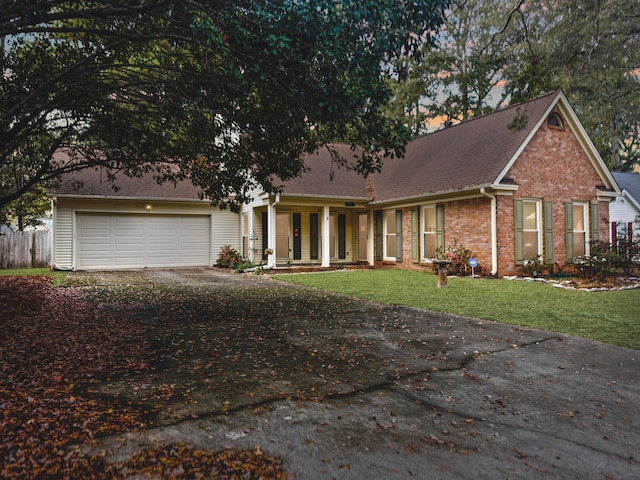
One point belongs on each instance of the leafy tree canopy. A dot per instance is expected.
(492, 52)
(229, 93)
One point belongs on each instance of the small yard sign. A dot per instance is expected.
(473, 263)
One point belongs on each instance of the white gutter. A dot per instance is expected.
(494, 231)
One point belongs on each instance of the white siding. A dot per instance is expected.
(63, 238)
(225, 230)
(622, 210)
(223, 226)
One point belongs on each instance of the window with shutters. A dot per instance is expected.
(429, 244)
(528, 230)
(390, 226)
(579, 217)
(429, 237)
(432, 231)
(580, 222)
(531, 229)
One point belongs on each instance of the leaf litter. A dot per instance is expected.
(58, 346)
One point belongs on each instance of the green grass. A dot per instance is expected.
(57, 276)
(611, 317)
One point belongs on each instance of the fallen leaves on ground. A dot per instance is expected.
(54, 347)
(182, 461)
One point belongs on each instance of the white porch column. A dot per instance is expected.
(326, 246)
(271, 221)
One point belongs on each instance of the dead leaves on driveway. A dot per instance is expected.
(54, 349)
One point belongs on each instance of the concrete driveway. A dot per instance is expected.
(347, 389)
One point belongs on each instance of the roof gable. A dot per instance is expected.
(630, 182)
(560, 102)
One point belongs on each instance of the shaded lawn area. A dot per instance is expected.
(611, 316)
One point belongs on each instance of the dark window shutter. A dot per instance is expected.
(630, 232)
(518, 221)
(415, 235)
(439, 227)
(568, 220)
(398, 235)
(342, 236)
(614, 234)
(297, 236)
(548, 233)
(378, 220)
(313, 239)
(595, 223)
(265, 235)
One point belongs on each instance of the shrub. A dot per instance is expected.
(459, 257)
(607, 259)
(533, 267)
(229, 257)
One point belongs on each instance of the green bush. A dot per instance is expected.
(533, 267)
(607, 259)
(229, 257)
(459, 257)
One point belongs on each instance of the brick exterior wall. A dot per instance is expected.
(553, 167)
(468, 222)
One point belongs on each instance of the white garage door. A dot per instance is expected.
(106, 241)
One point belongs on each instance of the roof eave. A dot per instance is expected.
(115, 197)
(453, 194)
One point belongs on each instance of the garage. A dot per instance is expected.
(119, 241)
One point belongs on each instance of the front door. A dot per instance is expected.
(363, 236)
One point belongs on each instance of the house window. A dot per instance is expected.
(390, 234)
(245, 236)
(577, 233)
(554, 120)
(580, 222)
(429, 242)
(531, 228)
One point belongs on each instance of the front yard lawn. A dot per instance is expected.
(610, 316)
(57, 275)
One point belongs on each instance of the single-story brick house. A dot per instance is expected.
(519, 183)
(624, 211)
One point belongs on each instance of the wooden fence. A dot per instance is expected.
(25, 249)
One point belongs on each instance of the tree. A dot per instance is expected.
(228, 93)
(461, 77)
(28, 210)
(491, 52)
(591, 50)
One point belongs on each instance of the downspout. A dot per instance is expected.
(272, 232)
(494, 231)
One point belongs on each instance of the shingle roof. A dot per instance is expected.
(470, 154)
(318, 181)
(95, 182)
(629, 182)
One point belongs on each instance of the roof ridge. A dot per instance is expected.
(485, 115)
